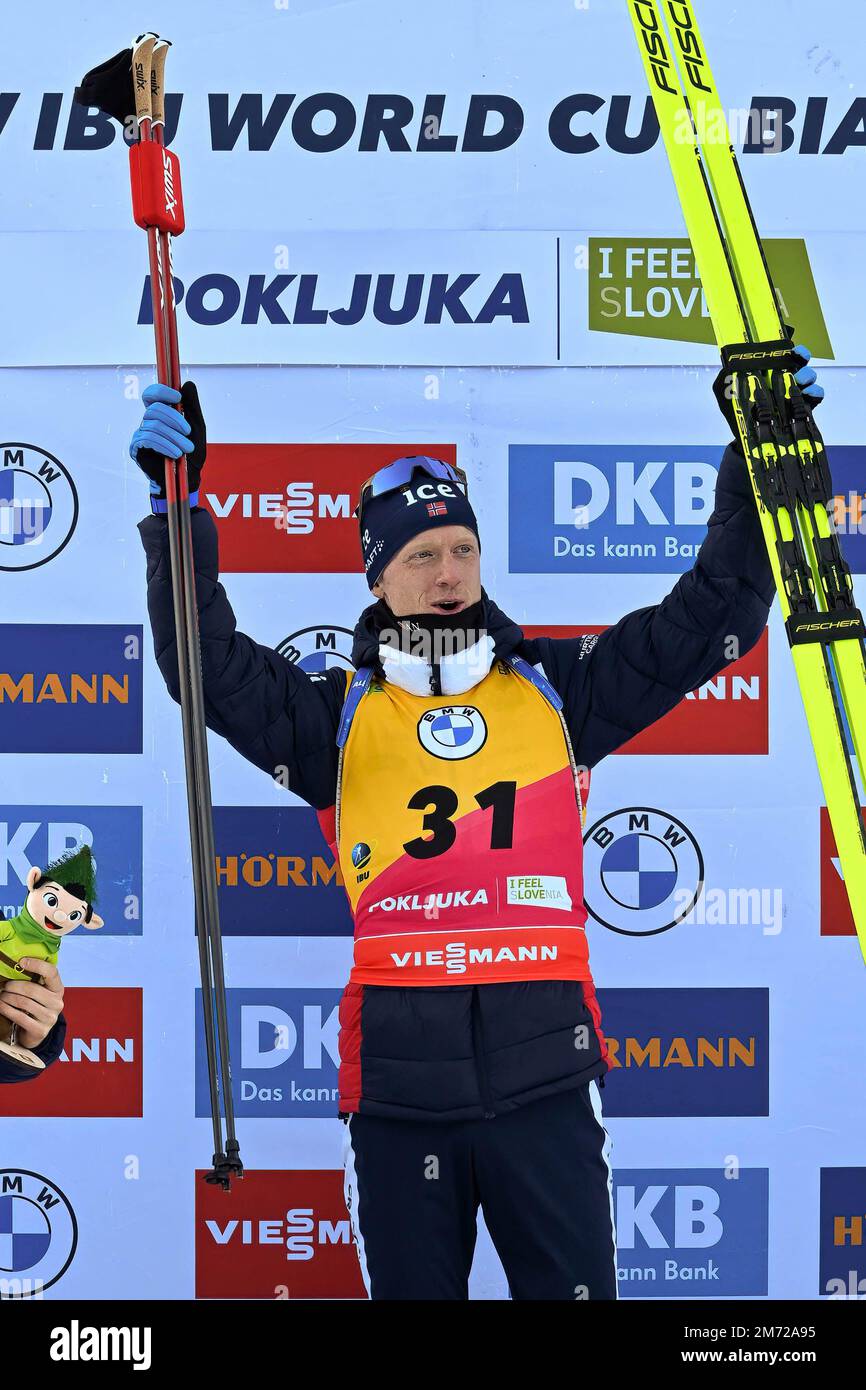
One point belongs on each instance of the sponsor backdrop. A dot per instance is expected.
(446, 231)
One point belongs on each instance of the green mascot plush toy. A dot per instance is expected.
(58, 901)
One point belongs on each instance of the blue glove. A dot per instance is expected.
(807, 379)
(165, 433)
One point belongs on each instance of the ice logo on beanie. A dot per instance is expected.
(431, 493)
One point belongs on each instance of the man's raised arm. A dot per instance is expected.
(266, 707)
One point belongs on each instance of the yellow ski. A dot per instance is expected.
(784, 451)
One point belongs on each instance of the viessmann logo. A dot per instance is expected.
(836, 915)
(294, 513)
(279, 1234)
(455, 957)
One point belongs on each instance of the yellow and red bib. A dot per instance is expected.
(459, 837)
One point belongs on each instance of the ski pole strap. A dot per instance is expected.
(824, 627)
(159, 505)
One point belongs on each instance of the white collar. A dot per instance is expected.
(457, 672)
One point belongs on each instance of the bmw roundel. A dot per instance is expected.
(316, 649)
(452, 731)
(643, 871)
(38, 506)
(38, 1233)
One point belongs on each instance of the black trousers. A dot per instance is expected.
(540, 1174)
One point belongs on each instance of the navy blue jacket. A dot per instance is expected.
(476, 1050)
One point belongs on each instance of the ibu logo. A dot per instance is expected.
(362, 853)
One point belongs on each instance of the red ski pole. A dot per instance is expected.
(157, 203)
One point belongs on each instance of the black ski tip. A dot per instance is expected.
(109, 87)
(225, 1167)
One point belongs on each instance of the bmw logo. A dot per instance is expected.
(38, 506)
(452, 731)
(38, 1233)
(643, 871)
(316, 649)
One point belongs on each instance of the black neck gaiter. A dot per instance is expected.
(433, 636)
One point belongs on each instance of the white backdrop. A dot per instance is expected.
(739, 1159)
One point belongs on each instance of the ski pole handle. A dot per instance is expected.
(142, 61)
(157, 81)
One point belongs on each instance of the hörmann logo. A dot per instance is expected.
(70, 688)
(843, 1233)
(276, 874)
(685, 1051)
